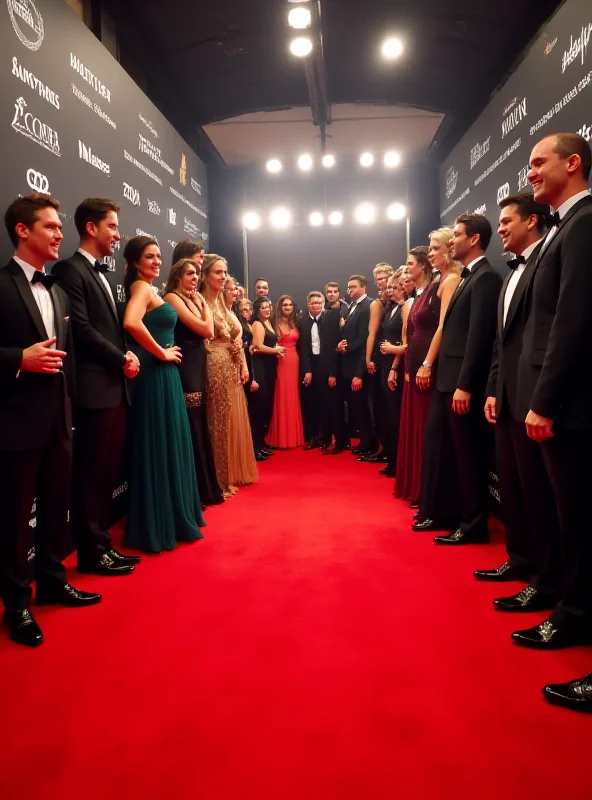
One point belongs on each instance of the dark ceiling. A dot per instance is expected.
(203, 62)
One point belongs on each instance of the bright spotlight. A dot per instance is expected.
(316, 219)
(366, 159)
(299, 18)
(305, 162)
(392, 159)
(301, 47)
(396, 211)
(274, 165)
(392, 48)
(365, 213)
(251, 221)
(328, 161)
(280, 217)
(335, 218)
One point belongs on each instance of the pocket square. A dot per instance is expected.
(66, 319)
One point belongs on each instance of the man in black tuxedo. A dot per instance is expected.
(102, 366)
(36, 380)
(352, 367)
(333, 299)
(319, 334)
(527, 505)
(555, 383)
(465, 356)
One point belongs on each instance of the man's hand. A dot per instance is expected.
(342, 346)
(41, 358)
(356, 384)
(490, 410)
(371, 367)
(307, 378)
(254, 386)
(332, 381)
(461, 402)
(131, 366)
(539, 428)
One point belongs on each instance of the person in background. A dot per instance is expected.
(245, 308)
(266, 353)
(333, 300)
(188, 249)
(318, 370)
(285, 429)
(240, 292)
(164, 503)
(261, 288)
(230, 294)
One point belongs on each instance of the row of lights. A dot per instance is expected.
(391, 160)
(364, 213)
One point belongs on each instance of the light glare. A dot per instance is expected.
(366, 159)
(301, 47)
(251, 220)
(335, 218)
(316, 219)
(396, 211)
(274, 165)
(299, 18)
(392, 159)
(305, 162)
(365, 213)
(280, 217)
(328, 161)
(392, 48)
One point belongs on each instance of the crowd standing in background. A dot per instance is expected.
(193, 388)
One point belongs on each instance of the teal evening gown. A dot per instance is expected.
(164, 504)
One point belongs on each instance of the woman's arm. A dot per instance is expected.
(446, 291)
(376, 315)
(133, 323)
(258, 337)
(202, 327)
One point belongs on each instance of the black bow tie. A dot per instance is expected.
(513, 263)
(465, 273)
(98, 267)
(554, 220)
(47, 280)
(315, 320)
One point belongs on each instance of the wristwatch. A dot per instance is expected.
(426, 365)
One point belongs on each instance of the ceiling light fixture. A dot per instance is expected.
(316, 219)
(392, 48)
(366, 159)
(328, 161)
(305, 162)
(251, 221)
(274, 165)
(300, 18)
(392, 159)
(365, 213)
(396, 211)
(335, 218)
(301, 47)
(280, 218)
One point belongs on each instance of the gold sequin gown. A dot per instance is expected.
(226, 406)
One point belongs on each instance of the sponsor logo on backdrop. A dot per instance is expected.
(190, 227)
(550, 46)
(481, 209)
(506, 154)
(37, 181)
(514, 118)
(145, 170)
(36, 85)
(451, 181)
(89, 77)
(110, 262)
(187, 202)
(479, 151)
(172, 216)
(24, 122)
(458, 200)
(131, 194)
(120, 291)
(195, 186)
(93, 106)
(579, 87)
(183, 171)
(578, 47)
(148, 124)
(153, 207)
(140, 232)
(503, 192)
(172, 243)
(146, 146)
(586, 132)
(523, 181)
(86, 154)
(27, 22)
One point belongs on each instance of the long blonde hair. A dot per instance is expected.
(444, 236)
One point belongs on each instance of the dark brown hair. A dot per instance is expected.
(361, 280)
(186, 249)
(279, 317)
(93, 209)
(334, 285)
(179, 269)
(476, 225)
(131, 255)
(526, 206)
(420, 254)
(570, 144)
(24, 210)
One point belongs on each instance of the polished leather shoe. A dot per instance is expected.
(458, 538)
(312, 445)
(378, 458)
(261, 456)
(106, 566)
(362, 451)
(325, 446)
(417, 516)
(547, 636)
(121, 557)
(267, 450)
(529, 599)
(427, 524)
(388, 473)
(66, 595)
(332, 451)
(576, 695)
(414, 505)
(505, 572)
(22, 628)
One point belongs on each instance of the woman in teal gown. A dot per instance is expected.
(164, 504)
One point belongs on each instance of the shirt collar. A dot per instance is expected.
(359, 300)
(27, 268)
(91, 259)
(564, 207)
(529, 250)
(473, 262)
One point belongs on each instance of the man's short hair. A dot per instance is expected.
(383, 267)
(476, 224)
(93, 209)
(310, 295)
(570, 144)
(526, 206)
(24, 210)
(261, 280)
(333, 285)
(361, 280)
(186, 249)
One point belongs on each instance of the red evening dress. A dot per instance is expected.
(285, 430)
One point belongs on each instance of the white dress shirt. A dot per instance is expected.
(42, 298)
(562, 211)
(314, 336)
(515, 277)
(473, 262)
(354, 306)
(102, 278)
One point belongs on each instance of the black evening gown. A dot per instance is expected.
(265, 372)
(392, 332)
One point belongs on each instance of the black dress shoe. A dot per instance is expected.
(312, 445)
(261, 456)
(417, 516)
(121, 558)
(415, 504)
(427, 524)
(458, 538)
(576, 695)
(325, 446)
(529, 599)
(106, 566)
(22, 628)
(505, 572)
(378, 458)
(332, 451)
(547, 636)
(362, 451)
(66, 595)
(267, 450)
(388, 473)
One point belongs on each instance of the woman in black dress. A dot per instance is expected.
(193, 327)
(266, 352)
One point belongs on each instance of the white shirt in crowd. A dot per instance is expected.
(314, 336)
(42, 298)
(515, 277)
(102, 278)
(353, 307)
(562, 211)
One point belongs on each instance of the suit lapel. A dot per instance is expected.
(500, 305)
(520, 288)
(99, 282)
(22, 284)
(461, 287)
(59, 319)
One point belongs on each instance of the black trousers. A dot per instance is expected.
(440, 498)
(316, 404)
(359, 411)
(391, 406)
(378, 407)
(34, 551)
(527, 506)
(98, 442)
(567, 460)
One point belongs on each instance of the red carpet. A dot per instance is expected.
(310, 647)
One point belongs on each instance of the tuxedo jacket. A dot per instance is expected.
(555, 379)
(98, 336)
(30, 402)
(355, 331)
(468, 332)
(329, 334)
(507, 348)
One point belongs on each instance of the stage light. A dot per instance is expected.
(328, 161)
(274, 165)
(396, 211)
(251, 221)
(392, 159)
(392, 48)
(299, 18)
(365, 213)
(280, 217)
(316, 219)
(335, 218)
(366, 159)
(301, 47)
(305, 162)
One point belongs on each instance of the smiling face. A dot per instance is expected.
(149, 263)
(265, 311)
(190, 278)
(462, 243)
(261, 289)
(438, 254)
(515, 231)
(415, 271)
(44, 236)
(105, 233)
(217, 276)
(287, 308)
(549, 174)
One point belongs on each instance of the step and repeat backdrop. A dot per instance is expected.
(76, 125)
(550, 92)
